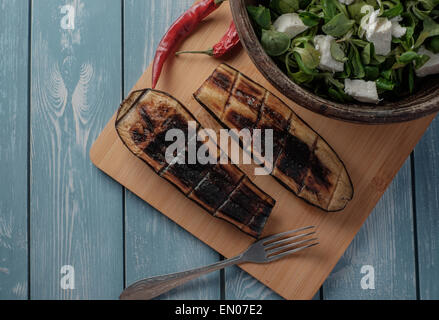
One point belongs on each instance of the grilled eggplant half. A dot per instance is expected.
(223, 190)
(303, 162)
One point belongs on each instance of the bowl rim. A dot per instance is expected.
(394, 112)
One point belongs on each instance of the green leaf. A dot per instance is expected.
(290, 62)
(359, 43)
(387, 74)
(275, 43)
(394, 11)
(261, 16)
(355, 10)
(433, 44)
(338, 26)
(336, 95)
(408, 57)
(339, 95)
(357, 65)
(309, 56)
(302, 66)
(368, 53)
(372, 72)
(378, 60)
(301, 77)
(385, 84)
(423, 59)
(329, 9)
(431, 29)
(309, 19)
(331, 80)
(341, 7)
(301, 41)
(304, 3)
(337, 52)
(422, 8)
(284, 6)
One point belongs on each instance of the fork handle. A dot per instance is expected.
(149, 288)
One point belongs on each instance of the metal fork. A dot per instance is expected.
(264, 251)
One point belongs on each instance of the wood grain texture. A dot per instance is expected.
(385, 242)
(154, 244)
(427, 212)
(239, 285)
(13, 148)
(76, 211)
(373, 155)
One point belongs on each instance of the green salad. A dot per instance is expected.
(352, 50)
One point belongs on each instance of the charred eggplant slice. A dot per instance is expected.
(303, 162)
(223, 190)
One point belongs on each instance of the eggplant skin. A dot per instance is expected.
(223, 190)
(304, 162)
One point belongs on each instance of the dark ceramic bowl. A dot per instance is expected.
(424, 102)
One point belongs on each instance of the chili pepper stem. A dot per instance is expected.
(179, 30)
(208, 52)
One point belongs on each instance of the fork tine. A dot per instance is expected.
(281, 235)
(286, 253)
(275, 251)
(289, 239)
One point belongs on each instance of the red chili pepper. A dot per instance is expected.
(227, 43)
(181, 28)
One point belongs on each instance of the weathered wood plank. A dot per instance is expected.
(76, 211)
(154, 244)
(13, 148)
(241, 286)
(386, 243)
(427, 212)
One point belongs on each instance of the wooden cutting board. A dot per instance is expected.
(372, 154)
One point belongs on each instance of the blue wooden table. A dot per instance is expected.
(67, 231)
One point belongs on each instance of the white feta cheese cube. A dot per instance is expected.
(363, 91)
(327, 62)
(432, 65)
(379, 32)
(398, 31)
(348, 2)
(291, 24)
